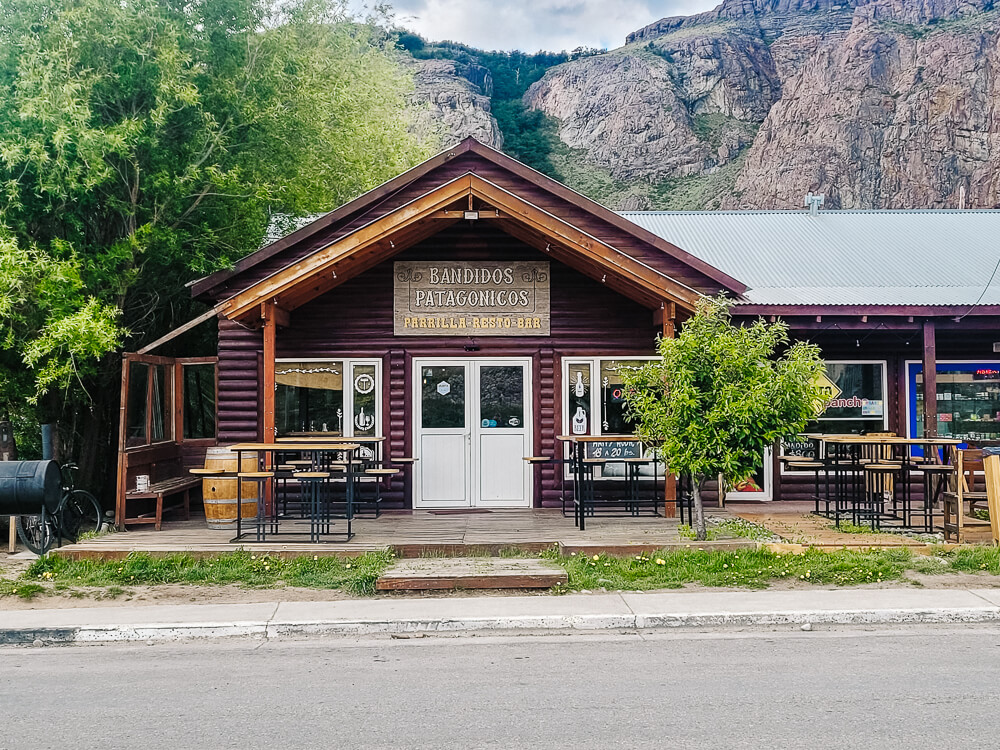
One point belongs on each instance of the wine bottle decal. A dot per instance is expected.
(578, 387)
(364, 421)
(580, 421)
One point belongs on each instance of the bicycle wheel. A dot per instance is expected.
(80, 513)
(34, 534)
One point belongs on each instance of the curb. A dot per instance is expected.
(265, 631)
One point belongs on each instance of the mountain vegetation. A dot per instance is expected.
(144, 143)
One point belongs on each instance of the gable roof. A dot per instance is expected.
(378, 201)
(881, 258)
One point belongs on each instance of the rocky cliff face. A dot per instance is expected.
(453, 102)
(876, 103)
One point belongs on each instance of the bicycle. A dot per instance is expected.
(77, 513)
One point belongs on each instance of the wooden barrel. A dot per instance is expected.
(219, 495)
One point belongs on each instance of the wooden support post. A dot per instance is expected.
(267, 313)
(270, 340)
(930, 380)
(12, 540)
(664, 317)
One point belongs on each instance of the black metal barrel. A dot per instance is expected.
(25, 486)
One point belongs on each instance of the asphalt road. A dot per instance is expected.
(925, 687)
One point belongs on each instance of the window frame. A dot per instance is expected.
(883, 425)
(595, 372)
(349, 363)
(911, 392)
(594, 362)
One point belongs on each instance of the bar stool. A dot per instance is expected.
(319, 511)
(587, 498)
(211, 474)
(260, 478)
(632, 466)
(379, 475)
(880, 480)
(936, 477)
(803, 466)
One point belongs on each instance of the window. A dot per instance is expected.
(583, 400)
(138, 387)
(856, 406)
(332, 397)
(169, 400)
(591, 408)
(968, 400)
(858, 403)
(199, 401)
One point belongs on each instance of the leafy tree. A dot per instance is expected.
(721, 394)
(147, 142)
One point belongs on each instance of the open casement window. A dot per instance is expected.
(167, 399)
(336, 397)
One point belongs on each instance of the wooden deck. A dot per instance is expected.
(418, 534)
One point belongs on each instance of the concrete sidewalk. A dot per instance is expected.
(614, 611)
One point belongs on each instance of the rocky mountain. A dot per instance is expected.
(876, 103)
(452, 101)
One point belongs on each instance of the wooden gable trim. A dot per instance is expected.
(379, 195)
(323, 259)
(591, 247)
(605, 214)
(363, 202)
(287, 286)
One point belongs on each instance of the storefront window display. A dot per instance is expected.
(968, 400)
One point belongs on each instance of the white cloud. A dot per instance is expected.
(531, 25)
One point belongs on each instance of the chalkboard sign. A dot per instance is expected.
(800, 446)
(612, 449)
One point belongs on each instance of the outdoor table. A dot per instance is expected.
(850, 482)
(583, 465)
(319, 511)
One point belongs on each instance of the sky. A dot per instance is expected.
(532, 25)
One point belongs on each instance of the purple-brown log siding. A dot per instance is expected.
(355, 320)
(239, 382)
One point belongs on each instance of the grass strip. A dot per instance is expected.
(754, 569)
(355, 575)
(737, 568)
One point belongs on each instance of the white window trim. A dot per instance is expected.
(596, 426)
(349, 363)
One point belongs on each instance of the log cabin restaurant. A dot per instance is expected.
(471, 311)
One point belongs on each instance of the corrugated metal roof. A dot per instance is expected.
(923, 257)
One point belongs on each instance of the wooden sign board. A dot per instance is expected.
(475, 298)
(612, 449)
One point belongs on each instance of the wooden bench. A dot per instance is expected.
(168, 478)
(159, 490)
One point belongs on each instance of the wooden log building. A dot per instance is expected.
(471, 310)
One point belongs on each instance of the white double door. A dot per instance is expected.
(471, 432)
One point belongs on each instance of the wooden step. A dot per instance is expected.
(470, 573)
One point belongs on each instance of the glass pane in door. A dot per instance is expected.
(442, 397)
(501, 396)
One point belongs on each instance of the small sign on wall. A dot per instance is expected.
(488, 298)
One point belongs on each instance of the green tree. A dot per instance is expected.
(147, 142)
(721, 394)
